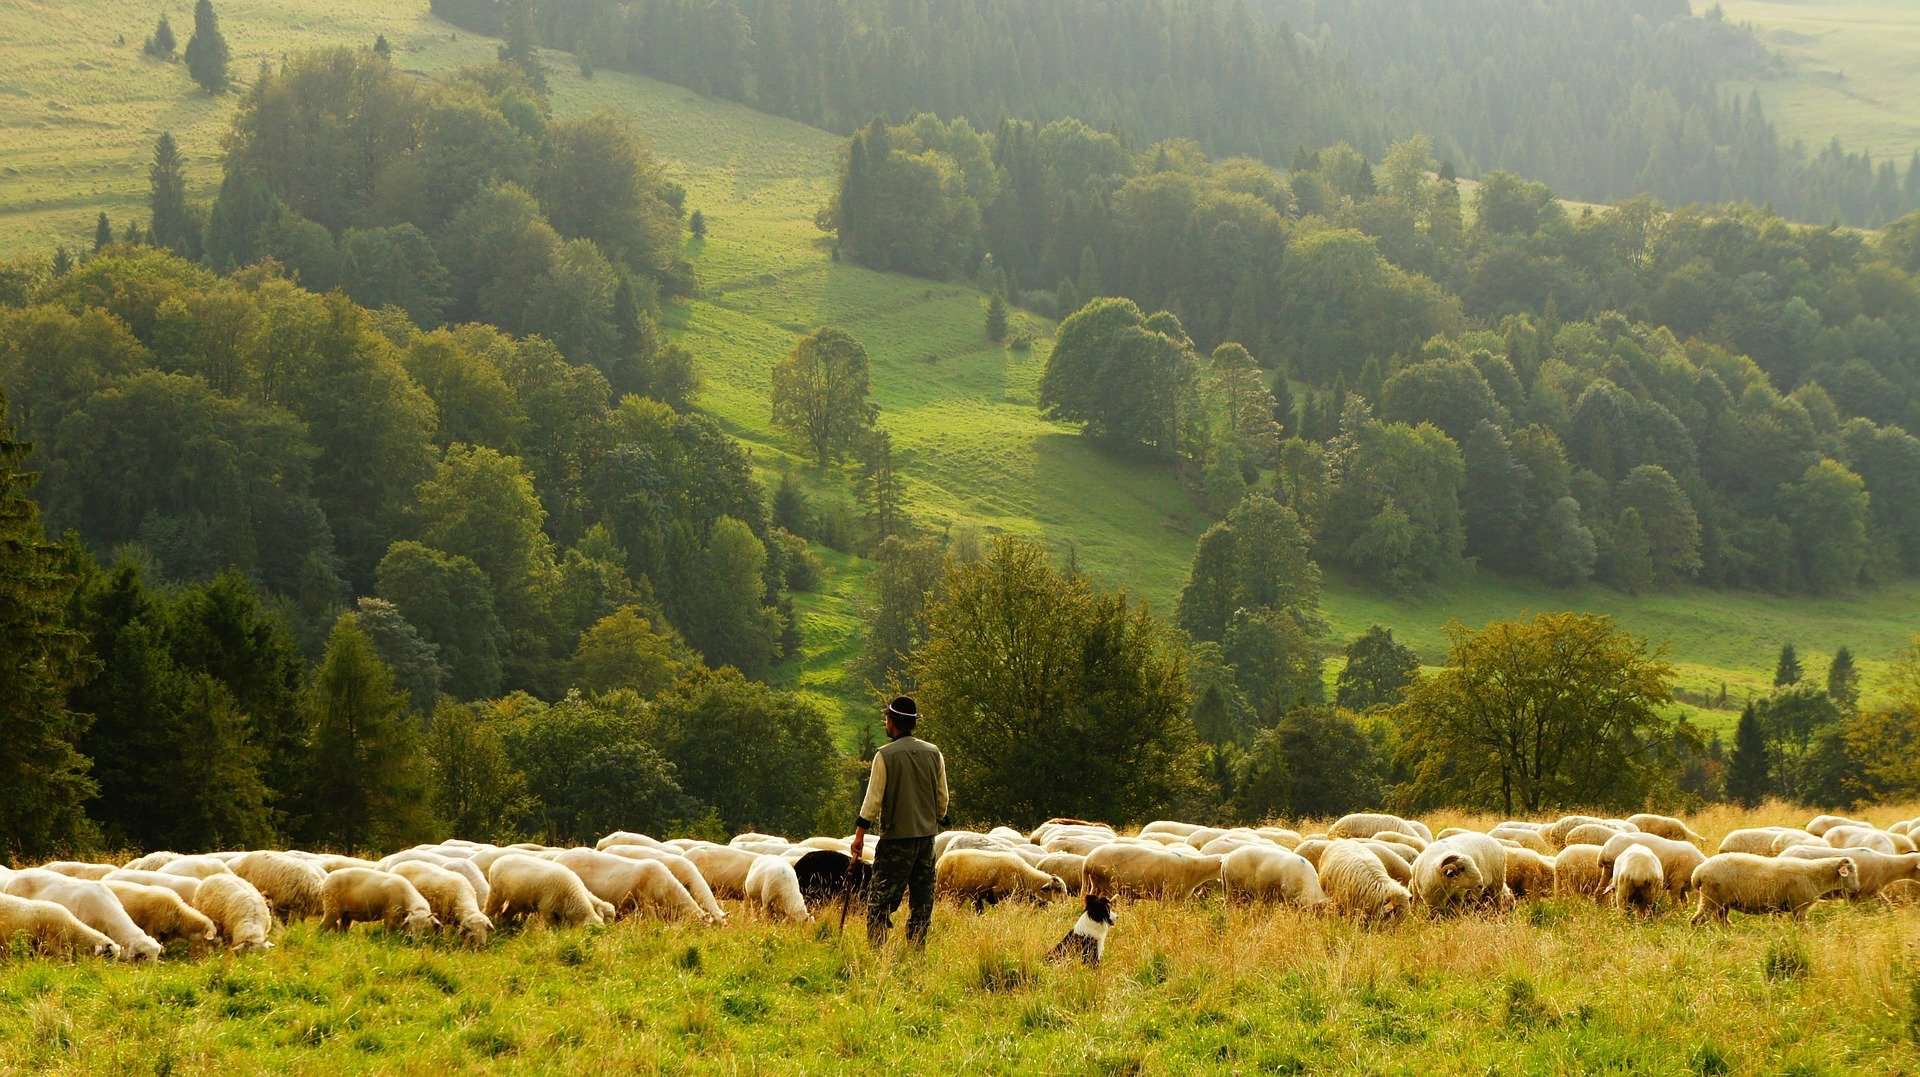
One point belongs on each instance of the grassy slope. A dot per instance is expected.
(1852, 74)
(1556, 986)
(971, 447)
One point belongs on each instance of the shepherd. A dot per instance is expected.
(906, 805)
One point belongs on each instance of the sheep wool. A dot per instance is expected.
(987, 876)
(1638, 880)
(292, 886)
(1271, 874)
(164, 915)
(93, 904)
(773, 888)
(1466, 869)
(1678, 859)
(450, 896)
(1577, 871)
(1752, 883)
(525, 886)
(52, 928)
(1358, 886)
(632, 885)
(238, 909)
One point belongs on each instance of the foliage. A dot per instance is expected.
(369, 776)
(1378, 669)
(715, 726)
(206, 53)
(589, 766)
(820, 393)
(626, 650)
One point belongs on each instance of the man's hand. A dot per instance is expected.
(859, 841)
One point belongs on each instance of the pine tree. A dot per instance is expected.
(172, 226)
(43, 777)
(997, 318)
(102, 232)
(207, 49)
(62, 261)
(1843, 680)
(879, 486)
(697, 224)
(161, 44)
(368, 778)
(132, 233)
(1747, 780)
(1787, 670)
(381, 48)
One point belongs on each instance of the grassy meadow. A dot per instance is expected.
(79, 111)
(1852, 75)
(1553, 986)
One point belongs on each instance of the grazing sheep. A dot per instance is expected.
(685, 871)
(1311, 849)
(1205, 834)
(93, 904)
(1524, 837)
(1593, 833)
(632, 885)
(626, 837)
(1368, 824)
(1280, 835)
(1677, 858)
(179, 884)
(369, 894)
(1753, 839)
(948, 840)
(1082, 842)
(1752, 883)
(1638, 880)
(1820, 824)
(773, 887)
(52, 928)
(332, 862)
(1466, 869)
(1529, 874)
(1413, 845)
(1877, 869)
(1789, 838)
(1398, 865)
(238, 909)
(824, 875)
(151, 861)
(77, 869)
(1070, 868)
(1146, 871)
(1901, 893)
(1665, 826)
(1227, 843)
(1169, 826)
(753, 838)
(1557, 831)
(1357, 885)
(1860, 837)
(764, 848)
(525, 886)
(164, 915)
(987, 877)
(461, 866)
(450, 896)
(292, 886)
(1270, 873)
(1903, 844)
(1054, 825)
(724, 868)
(1577, 871)
(195, 867)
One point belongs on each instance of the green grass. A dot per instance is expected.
(1554, 986)
(1852, 71)
(972, 449)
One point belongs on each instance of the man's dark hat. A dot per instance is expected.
(904, 707)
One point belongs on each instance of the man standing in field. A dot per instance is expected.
(906, 804)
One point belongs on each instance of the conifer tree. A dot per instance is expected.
(161, 44)
(102, 231)
(1747, 770)
(1787, 670)
(1843, 680)
(381, 48)
(172, 225)
(369, 780)
(997, 318)
(207, 49)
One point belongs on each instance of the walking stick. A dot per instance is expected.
(846, 896)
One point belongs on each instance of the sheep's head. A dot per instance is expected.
(143, 950)
(476, 927)
(420, 920)
(251, 946)
(108, 949)
(1392, 906)
(1055, 885)
(1849, 875)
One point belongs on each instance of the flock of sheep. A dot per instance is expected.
(1369, 866)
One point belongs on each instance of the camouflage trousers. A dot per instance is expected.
(901, 866)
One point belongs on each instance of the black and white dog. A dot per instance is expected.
(1088, 939)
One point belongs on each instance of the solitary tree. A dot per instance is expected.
(997, 318)
(820, 393)
(102, 231)
(1561, 709)
(381, 48)
(697, 224)
(1378, 669)
(43, 777)
(1843, 680)
(1747, 771)
(172, 226)
(207, 49)
(1787, 670)
(161, 44)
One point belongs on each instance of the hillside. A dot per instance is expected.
(79, 119)
(1850, 75)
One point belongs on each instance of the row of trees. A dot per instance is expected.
(1603, 99)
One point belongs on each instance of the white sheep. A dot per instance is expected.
(1556, 832)
(1465, 869)
(238, 909)
(1665, 826)
(528, 886)
(1311, 850)
(1789, 837)
(179, 884)
(461, 866)
(1847, 836)
(1169, 826)
(164, 915)
(1070, 868)
(626, 837)
(1576, 871)
(93, 904)
(332, 862)
(1147, 871)
(1524, 837)
(1752, 883)
(151, 862)
(1367, 824)
(450, 896)
(1678, 859)
(1638, 879)
(1413, 845)
(1820, 824)
(987, 876)
(1529, 874)
(366, 895)
(773, 887)
(684, 870)
(1594, 833)
(1397, 859)
(1279, 835)
(1753, 839)
(195, 867)
(52, 928)
(1357, 885)
(292, 886)
(80, 869)
(723, 867)
(633, 885)
(1270, 873)
(1877, 869)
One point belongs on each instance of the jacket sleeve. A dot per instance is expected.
(876, 794)
(940, 796)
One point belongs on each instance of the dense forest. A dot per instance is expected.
(1639, 394)
(1604, 99)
